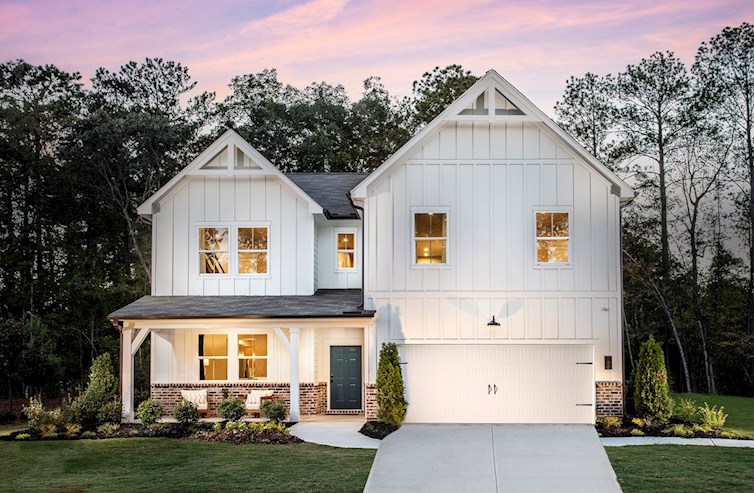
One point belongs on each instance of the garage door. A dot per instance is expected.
(499, 384)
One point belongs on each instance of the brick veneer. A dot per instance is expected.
(609, 399)
(312, 396)
(370, 404)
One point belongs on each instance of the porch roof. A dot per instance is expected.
(325, 303)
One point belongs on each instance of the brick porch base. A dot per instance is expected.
(312, 396)
(609, 399)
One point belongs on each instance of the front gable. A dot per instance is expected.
(492, 102)
(228, 156)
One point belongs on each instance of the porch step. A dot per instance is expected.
(345, 411)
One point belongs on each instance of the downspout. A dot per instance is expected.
(363, 228)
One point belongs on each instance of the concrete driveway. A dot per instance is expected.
(492, 458)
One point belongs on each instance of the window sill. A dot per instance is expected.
(554, 266)
(431, 266)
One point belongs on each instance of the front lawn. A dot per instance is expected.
(740, 410)
(163, 464)
(683, 468)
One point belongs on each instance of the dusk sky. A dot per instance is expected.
(535, 44)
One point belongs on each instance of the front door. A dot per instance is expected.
(345, 377)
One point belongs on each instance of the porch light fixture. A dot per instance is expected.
(493, 322)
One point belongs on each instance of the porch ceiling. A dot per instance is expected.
(325, 303)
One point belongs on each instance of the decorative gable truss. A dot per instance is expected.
(230, 155)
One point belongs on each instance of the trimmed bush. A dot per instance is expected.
(231, 409)
(101, 389)
(608, 422)
(685, 410)
(69, 411)
(678, 430)
(273, 410)
(651, 393)
(23, 436)
(149, 412)
(108, 429)
(391, 403)
(712, 416)
(72, 429)
(111, 412)
(186, 413)
(36, 415)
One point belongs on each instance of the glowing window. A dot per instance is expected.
(552, 237)
(430, 237)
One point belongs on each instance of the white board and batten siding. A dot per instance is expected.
(329, 276)
(493, 176)
(232, 201)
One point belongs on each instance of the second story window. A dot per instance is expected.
(346, 249)
(430, 237)
(253, 250)
(552, 237)
(213, 250)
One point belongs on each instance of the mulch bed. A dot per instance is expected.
(377, 429)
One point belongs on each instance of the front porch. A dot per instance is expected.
(314, 364)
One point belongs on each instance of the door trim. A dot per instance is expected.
(329, 372)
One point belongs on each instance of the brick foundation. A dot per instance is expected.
(312, 396)
(609, 399)
(370, 401)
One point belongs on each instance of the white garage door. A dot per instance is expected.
(499, 384)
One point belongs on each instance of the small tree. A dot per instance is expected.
(651, 394)
(391, 403)
(101, 390)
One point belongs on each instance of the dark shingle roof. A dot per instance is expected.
(330, 190)
(324, 303)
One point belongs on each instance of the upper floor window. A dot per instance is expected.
(253, 250)
(252, 356)
(346, 250)
(552, 237)
(430, 237)
(213, 356)
(213, 250)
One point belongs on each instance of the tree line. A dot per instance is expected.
(75, 163)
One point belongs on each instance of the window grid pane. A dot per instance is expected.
(430, 237)
(252, 250)
(552, 237)
(252, 356)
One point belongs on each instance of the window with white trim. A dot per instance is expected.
(430, 237)
(553, 237)
(253, 250)
(345, 244)
(213, 356)
(214, 250)
(252, 356)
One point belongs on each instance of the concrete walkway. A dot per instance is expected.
(715, 442)
(492, 458)
(335, 431)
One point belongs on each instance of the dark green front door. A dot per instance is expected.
(345, 377)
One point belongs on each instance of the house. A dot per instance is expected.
(488, 248)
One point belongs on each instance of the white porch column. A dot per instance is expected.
(293, 352)
(127, 374)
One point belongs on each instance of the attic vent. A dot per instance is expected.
(503, 106)
(478, 107)
(243, 161)
(220, 161)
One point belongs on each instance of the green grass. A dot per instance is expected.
(683, 468)
(740, 410)
(165, 465)
(10, 428)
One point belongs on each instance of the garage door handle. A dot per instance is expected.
(489, 389)
(495, 389)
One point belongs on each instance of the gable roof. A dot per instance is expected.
(521, 109)
(330, 190)
(230, 141)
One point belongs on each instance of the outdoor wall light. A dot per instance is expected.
(608, 362)
(493, 322)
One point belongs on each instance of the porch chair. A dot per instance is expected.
(255, 398)
(198, 398)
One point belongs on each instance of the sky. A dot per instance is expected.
(535, 44)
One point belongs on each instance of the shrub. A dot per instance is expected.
(651, 394)
(638, 422)
(101, 389)
(391, 403)
(186, 413)
(712, 416)
(637, 432)
(608, 422)
(701, 428)
(108, 428)
(678, 430)
(69, 411)
(685, 410)
(88, 435)
(72, 429)
(217, 427)
(23, 436)
(273, 410)
(49, 430)
(233, 425)
(111, 412)
(149, 412)
(231, 409)
(36, 415)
